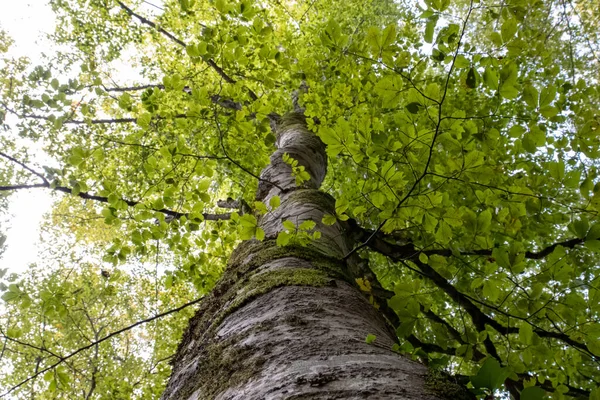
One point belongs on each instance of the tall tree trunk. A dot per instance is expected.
(289, 322)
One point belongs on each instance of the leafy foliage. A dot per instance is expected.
(462, 142)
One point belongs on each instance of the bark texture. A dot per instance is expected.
(289, 322)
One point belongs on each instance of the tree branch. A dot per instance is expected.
(380, 243)
(218, 126)
(78, 122)
(217, 99)
(42, 177)
(95, 343)
(40, 349)
(210, 61)
(408, 252)
(102, 199)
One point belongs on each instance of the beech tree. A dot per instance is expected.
(365, 199)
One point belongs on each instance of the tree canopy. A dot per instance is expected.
(462, 143)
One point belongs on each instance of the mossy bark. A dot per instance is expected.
(289, 322)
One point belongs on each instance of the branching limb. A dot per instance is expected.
(383, 244)
(79, 122)
(234, 162)
(404, 253)
(102, 199)
(241, 205)
(217, 99)
(12, 159)
(418, 180)
(95, 343)
(24, 344)
(172, 37)
(84, 195)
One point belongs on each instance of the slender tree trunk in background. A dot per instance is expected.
(288, 322)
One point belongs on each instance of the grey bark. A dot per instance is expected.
(290, 323)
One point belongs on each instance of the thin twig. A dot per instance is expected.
(105, 338)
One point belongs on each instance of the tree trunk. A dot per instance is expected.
(289, 322)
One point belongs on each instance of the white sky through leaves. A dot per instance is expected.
(26, 22)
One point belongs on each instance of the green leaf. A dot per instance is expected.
(533, 393)
(14, 332)
(461, 61)
(496, 39)
(260, 234)
(329, 219)
(144, 120)
(594, 346)
(491, 375)
(548, 111)
(557, 169)
(508, 91)
(508, 29)
(530, 96)
(289, 225)
(595, 394)
(341, 205)
(516, 131)
(413, 108)
(260, 207)
(547, 95)
(490, 77)
(471, 80)
(370, 338)
(526, 333)
(491, 290)
(220, 5)
(307, 225)
(501, 256)
(63, 378)
(444, 233)
(283, 238)
(581, 227)
(389, 90)
(192, 51)
(484, 220)
(248, 220)
(389, 36)
(594, 232)
(48, 376)
(430, 28)
(274, 202)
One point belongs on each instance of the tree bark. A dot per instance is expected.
(290, 322)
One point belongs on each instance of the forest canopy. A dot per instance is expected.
(462, 142)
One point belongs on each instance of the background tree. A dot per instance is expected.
(461, 142)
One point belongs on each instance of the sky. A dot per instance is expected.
(26, 22)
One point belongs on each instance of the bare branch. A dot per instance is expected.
(41, 349)
(95, 343)
(24, 166)
(234, 161)
(102, 199)
(210, 61)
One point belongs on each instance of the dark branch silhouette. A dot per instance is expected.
(84, 195)
(102, 199)
(95, 343)
(217, 99)
(209, 61)
(407, 252)
(383, 244)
